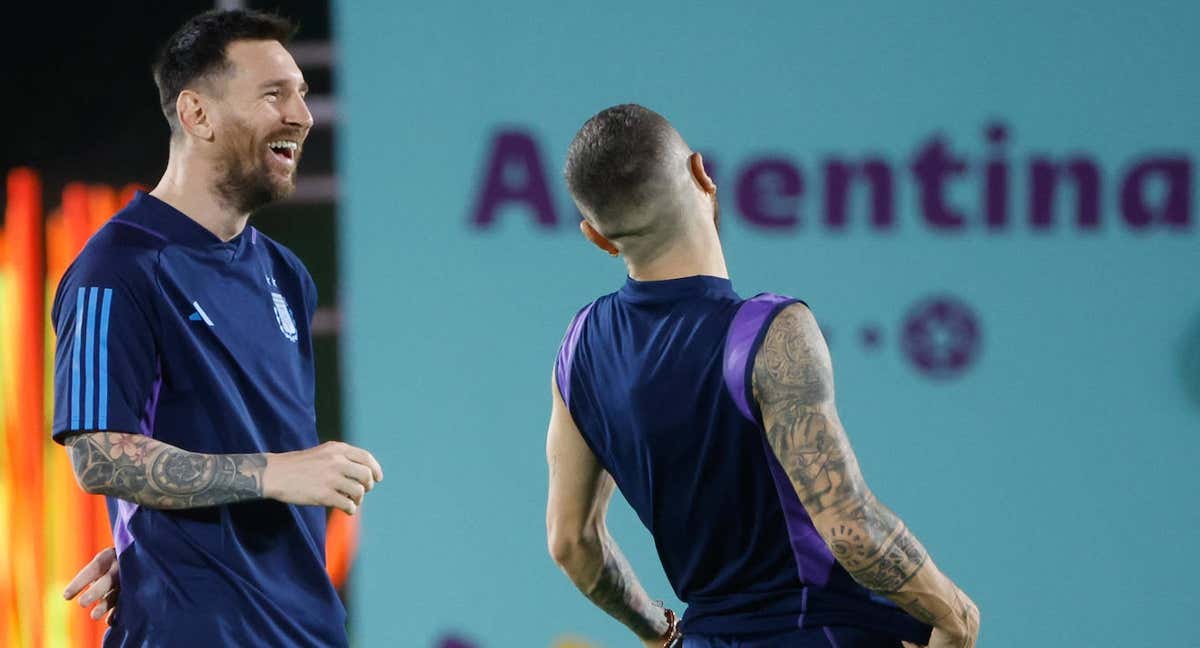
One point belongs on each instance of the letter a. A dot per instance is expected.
(514, 175)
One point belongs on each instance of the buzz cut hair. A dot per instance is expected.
(622, 168)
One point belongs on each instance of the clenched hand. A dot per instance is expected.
(333, 474)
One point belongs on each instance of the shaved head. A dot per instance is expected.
(627, 170)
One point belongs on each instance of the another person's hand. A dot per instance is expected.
(332, 474)
(101, 580)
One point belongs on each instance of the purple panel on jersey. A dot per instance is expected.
(566, 354)
(146, 425)
(740, 344)
(814, 561)
(122, 537)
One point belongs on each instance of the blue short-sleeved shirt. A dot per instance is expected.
(657, 378)
(167, 331)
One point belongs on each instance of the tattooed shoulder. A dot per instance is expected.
(793, 364)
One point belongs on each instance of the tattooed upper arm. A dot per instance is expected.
(793, 384)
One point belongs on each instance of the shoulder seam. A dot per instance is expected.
(141, 228)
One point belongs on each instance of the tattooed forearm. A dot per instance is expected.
(875, 547)
(597, 567)
(617, 592)
(151, 473)
(793, 384)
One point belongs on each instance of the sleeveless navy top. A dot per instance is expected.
(657, 378)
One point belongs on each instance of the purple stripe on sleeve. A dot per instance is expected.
(146, 425)
(829, 635)
(740, 343)
(566, 354)
(122, 536)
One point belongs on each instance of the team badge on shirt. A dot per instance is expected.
(283, 315)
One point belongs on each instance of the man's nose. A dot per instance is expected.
(297, 114)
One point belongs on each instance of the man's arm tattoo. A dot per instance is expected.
(793, 384)
(875, 547)
(151, 473)
(618, 593)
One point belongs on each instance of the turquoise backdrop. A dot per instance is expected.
(1015, 325)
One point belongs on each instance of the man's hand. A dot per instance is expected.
(332, 474)
(960, 632)
(942, 639)
(101, 580)
(957, 629)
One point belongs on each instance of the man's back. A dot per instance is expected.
(649, 374)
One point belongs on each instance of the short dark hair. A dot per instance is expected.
(198, 49)
(616, 165)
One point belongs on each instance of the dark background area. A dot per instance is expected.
(79, 104)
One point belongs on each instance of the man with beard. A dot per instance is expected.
(184, 367)
(715, 418)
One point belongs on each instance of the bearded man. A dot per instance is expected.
(184, 379)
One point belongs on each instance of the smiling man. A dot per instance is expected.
(184, 366)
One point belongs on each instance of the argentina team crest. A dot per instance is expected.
(283, 315)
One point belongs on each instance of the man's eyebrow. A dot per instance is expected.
(275, 83)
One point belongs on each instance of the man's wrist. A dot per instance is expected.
(670, 629)
(270, 475)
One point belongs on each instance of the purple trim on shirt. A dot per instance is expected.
(740, 343)
(814, 561)
(146, 425)
(829, 635)
(253, 236)
(140, 227)
(122, 536)
(566, 354)
(803, 607)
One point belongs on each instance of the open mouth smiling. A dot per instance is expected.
(284, 150)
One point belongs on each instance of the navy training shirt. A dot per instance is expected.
(167, 331)
(657, 379)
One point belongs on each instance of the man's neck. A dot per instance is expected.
(187, 186)
(700, 254)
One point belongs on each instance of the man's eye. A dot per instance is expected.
(274, 94)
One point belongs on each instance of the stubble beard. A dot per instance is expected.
(244, 182)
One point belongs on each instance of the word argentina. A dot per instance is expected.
(768, 192)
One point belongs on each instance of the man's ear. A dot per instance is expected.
(597, 238)
(192, 112)
(696, 162)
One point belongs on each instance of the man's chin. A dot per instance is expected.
(282, 189)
